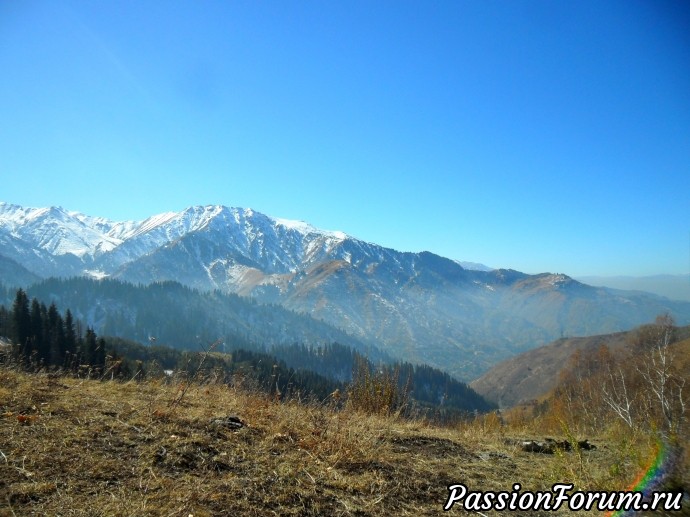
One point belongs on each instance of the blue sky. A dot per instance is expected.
(541, 136)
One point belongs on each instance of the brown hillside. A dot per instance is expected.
(535, 373)
(530, 375)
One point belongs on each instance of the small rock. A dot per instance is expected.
(539, 447)
(232, 422)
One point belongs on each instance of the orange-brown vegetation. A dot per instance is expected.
(638, 395)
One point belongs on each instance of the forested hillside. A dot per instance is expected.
(184, 318)
(44, 340)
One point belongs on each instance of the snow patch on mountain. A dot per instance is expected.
(307, 229)
(95, 273)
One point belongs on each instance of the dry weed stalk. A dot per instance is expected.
(175, 402)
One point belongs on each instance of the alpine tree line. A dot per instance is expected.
(43, 337)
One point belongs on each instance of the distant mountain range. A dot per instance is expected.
(675, 287)
(419, 307)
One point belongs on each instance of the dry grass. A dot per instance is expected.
(84, 447)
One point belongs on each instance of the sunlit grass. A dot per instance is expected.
(111, 448)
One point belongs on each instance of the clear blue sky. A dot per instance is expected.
(542, 136)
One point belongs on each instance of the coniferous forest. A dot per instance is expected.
(45, 339)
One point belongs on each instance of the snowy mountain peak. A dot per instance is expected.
(199, 217)
(280, 245)
(55, 230)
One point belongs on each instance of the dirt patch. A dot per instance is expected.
(429, 446)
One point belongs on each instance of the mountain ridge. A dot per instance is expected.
(417, 306)
(674, 287)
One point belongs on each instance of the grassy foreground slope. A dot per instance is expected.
(86, 447)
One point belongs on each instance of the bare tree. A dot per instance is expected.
(618, 396)
(666, 394)
(581, 388)
(647, 387)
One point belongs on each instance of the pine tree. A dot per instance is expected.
(38, 341)
(99, 354)
(89, 348)
(4, 322)
(70, 333)
(56, 336)
(21, 322)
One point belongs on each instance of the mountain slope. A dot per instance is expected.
(174, 315)
(536, 372)
(533, 374)
(419, 307)
(17, 274)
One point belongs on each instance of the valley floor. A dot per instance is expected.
(84, 447)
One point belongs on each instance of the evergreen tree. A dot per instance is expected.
(21, 322)
(70, 333)
(89, 348)
(4, 322)
(38, 341)
(99, 354)
(56, 335)
(45, 330)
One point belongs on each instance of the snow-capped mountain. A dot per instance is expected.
(55, 231)
(104, 247)
(417, 306)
